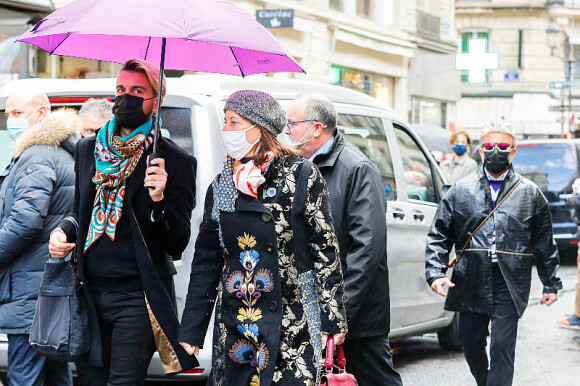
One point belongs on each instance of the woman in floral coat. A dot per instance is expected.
(272, 315)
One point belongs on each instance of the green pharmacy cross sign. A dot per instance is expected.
(477, 60)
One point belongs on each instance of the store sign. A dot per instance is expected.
(477, 60)
(564, 84)
(275, 18)
(334, 75)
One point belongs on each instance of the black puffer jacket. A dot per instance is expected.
(358, 203)
(524, 236)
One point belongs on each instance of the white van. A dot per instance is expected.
(192, 115)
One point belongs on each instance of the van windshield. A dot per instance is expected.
(552, 166)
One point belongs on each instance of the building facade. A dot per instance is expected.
(537, 41)
(400, 52)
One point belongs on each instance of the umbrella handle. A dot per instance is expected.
(159, 92)
(154, 153)
(152, 156)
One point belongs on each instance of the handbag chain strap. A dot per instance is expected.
(454, 261)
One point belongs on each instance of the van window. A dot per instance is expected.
(368, 135)
(416, 168)
(177, 121)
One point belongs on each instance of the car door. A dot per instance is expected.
(367, 132)
(408, 221)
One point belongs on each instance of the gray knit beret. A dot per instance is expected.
(259, 108)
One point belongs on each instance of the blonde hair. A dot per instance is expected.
(457, 134)
(151, 71)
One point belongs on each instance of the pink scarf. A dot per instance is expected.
(248, 177)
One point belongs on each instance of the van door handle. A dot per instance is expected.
(418, 216)
(398, 214)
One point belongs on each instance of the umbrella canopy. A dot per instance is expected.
(201, 35)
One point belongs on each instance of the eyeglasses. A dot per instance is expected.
(292, 124)
(501, 146)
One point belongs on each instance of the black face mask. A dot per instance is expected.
(128, 110)
(496, 161)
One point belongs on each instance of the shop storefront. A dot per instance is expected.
(16, 16)
(434, 88)
(375, 85)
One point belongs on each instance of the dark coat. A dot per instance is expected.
(156, 243)
(524, 237)
(36, 193)
(261, 230)
(358, 203)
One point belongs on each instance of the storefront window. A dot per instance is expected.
(9, 54)
(378, 86)
(336, 4)
(66, 67)
(364, 8)
(431, 112)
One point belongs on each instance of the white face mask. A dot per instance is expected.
(236, 144)
(17, 126)
(291, 142)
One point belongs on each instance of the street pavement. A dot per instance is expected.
(546, 354)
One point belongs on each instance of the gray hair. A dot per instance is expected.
(498, 126)
(100, 108)
(319, 108)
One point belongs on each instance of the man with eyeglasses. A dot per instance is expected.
(496, 251)
(357, 199)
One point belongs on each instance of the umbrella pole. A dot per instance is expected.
(159, 88)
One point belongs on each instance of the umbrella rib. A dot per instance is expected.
(147, 50)
(240, 67)
(62, 41)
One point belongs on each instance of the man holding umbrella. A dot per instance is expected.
(128, 221)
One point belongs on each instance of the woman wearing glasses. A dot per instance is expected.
(458, 164)
(266, 255)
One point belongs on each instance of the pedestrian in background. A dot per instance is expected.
(249, 247)
(94, 113)
(458, 164)
(129, 220)
(573, 321)
(358, 204)
(36, 193)
(492, 278)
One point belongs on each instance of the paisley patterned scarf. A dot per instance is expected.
(115, 158)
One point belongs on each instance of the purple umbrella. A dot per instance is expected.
(196, 35)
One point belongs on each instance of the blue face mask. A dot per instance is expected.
(17, 126)
(459, 149)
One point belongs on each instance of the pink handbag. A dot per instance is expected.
(342, 378)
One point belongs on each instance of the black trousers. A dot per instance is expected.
(127, 339)
(473, 332)
(370, 361)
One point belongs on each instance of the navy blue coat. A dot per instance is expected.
(36, 193)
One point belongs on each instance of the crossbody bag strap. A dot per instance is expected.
(303, 263)
(454, 261)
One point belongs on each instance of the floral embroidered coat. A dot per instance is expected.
(261, 335)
